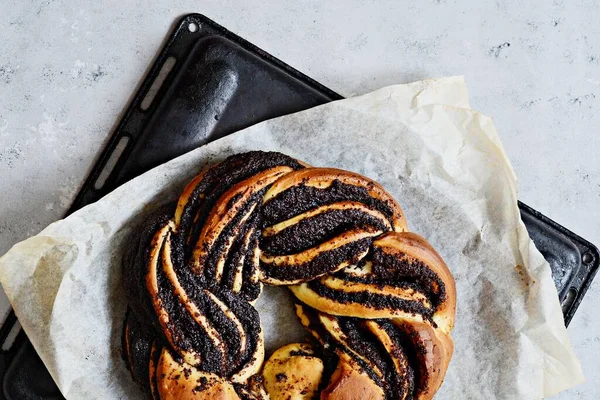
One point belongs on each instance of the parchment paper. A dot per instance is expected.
(445, 164)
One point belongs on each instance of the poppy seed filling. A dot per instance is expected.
(377, 299)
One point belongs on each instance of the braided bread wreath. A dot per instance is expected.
(378, 299)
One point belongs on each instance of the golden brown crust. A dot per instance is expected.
(297, 260)
(228, 207)
(178, 381)
(294, 372)
(409, 243)
(358, 310)
(347, 383)
(185, 195)
(320, 220)
(408, 249)
(435, 351)
(324, 177)
(378, 299)
(154, 355)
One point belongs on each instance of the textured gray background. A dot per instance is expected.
(68, 67)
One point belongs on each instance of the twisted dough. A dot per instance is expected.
(378, 299)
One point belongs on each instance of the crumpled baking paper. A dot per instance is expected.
(444, 163)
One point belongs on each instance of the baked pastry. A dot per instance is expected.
(378, 300)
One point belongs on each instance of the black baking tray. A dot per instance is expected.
(220, 83)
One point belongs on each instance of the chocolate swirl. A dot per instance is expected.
(401, 277)
(320, 220)
(217, 219)
(379, 300)
(402, 359)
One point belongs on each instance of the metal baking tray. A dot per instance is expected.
(207, 83)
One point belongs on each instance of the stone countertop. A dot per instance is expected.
(68, 68)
